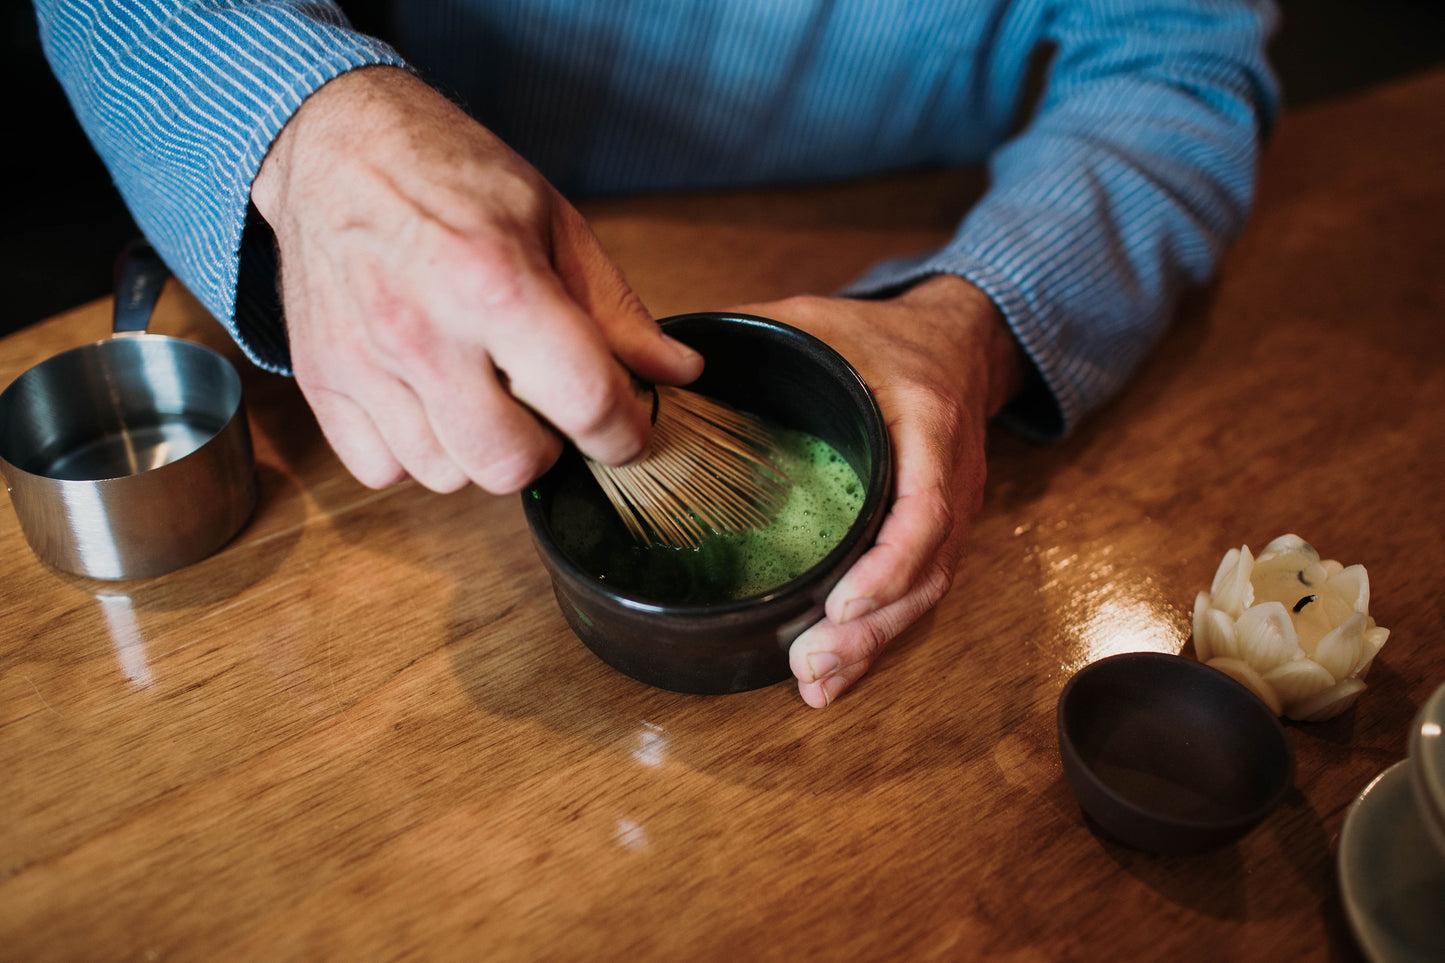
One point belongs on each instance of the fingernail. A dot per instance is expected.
(823, 665)
(858, 608)
(833, 687)
(683, 353)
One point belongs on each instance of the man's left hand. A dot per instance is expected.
(941, 362)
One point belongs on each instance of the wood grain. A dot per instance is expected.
(363, 731)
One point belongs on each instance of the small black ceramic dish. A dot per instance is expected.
(790, 378)
(1170, 756)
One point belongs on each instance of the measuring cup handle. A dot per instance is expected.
(140, 274)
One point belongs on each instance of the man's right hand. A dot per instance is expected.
(448, 311)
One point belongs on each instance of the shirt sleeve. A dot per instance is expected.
(1134, 173)
(182, 100)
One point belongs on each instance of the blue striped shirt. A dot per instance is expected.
(1134, 170)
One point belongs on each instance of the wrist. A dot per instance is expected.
(980, 331)
(310, 127)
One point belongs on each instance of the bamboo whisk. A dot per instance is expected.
(709, 467)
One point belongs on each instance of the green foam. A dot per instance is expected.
(824, 499)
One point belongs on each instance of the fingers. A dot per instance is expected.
(828, 658)
(926, 446)
(466, 376)
(385, 438)
(373, 421)
(832, 655)
(597, 286)
(453, 393)
(495, 441)
(558, 363)
(912, 535)
(474, 432)
(355, 439)
(910, 566)
(498, 310)
(573, 339)
(934, 356)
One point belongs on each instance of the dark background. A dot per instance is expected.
(63, 220)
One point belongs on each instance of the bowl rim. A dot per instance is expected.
(227, 394)
(1183, 665)
(880, 480)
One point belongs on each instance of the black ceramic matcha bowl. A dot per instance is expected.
(788, 377)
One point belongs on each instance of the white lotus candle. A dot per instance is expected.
(1292, 628)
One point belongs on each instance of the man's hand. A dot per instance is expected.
(940, 362)
(446, 308)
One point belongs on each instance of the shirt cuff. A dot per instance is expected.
(1046, 409)
(254, 314)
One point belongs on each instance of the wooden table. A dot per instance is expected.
(364, 731)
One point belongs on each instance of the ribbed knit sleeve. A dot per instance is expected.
(182, 100)
(1136, 170)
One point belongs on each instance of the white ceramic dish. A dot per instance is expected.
(1392, 878)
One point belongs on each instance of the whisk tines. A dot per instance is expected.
(709, 467)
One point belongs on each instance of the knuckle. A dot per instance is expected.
(937, 580)
(419, 460)
(940, 409)
(488, 271)
(442, 478)
(502, 478)
(401, 333)
(489, 266)
(950, 414)
(510, 474)
(376, 473)
(871, 641)
(937, 511)
(618, 300)
(597, 405)
(802, 306)
(518, 194)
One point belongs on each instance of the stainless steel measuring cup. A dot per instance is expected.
(130, 456)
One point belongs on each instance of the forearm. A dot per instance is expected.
(182, 102)
(1125, 188)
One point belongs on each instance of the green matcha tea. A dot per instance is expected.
(824, 498)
